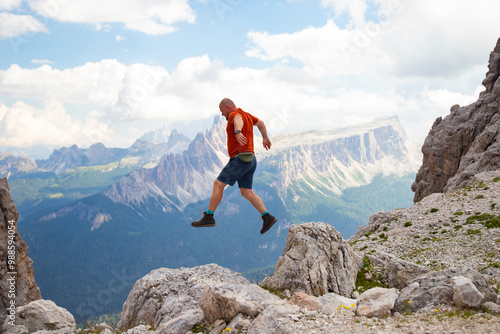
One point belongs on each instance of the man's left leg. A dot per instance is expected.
(268, 219)
(254, 199)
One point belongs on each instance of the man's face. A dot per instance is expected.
(225, 110)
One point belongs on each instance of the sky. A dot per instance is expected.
(87, 71)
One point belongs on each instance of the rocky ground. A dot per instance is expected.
(459, 229)
(440, 322)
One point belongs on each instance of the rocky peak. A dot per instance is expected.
(464, 143)
(11, 165)
(493, 69)
(71, 157)
(337, 159)
(158, 136)
(17, 278)
(63, 159)
(178, 179)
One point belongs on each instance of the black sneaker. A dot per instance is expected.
(268, 222)
(205, 221)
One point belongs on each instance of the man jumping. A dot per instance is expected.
(241, 165)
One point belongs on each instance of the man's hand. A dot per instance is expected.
(241, 139)
(267, 143)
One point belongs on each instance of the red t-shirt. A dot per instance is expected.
(233, 147)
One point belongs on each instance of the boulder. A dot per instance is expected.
(434, 289)
(43, 315)
(396, 272)
(465, 293)
(377, 302)
(268, 322)
(304, 301)
(492, 308)
(316, 260)
(141, 329)
(166, 294)
(238, 322)
(226, 301)
(332, 301)
(183, 323)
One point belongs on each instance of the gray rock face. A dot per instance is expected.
(17, 278)
(316, 260)
(43, 315)
(167, 294)
(464, 143)
(435, 288)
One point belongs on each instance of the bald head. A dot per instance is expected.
(226, 107)
(225, 102)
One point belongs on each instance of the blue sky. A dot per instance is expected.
(77, 72)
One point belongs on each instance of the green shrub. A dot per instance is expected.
(407, 224)
(490, 221)
(362, 284)
(473, 232)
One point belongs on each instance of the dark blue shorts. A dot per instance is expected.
(237, 170)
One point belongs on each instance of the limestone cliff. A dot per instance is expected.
(464, 143)
(24, 287)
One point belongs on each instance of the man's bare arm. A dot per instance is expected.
(263, 131)
(238, 125)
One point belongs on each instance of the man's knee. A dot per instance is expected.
(219, 185)
(247, 193)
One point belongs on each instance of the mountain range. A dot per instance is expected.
(90, 215)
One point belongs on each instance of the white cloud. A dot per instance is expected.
(441, 38)
(90, 83)
(406, 38)
(12, 25)
(355, 8)
(120, 38)
(10, 4)
(286, 99)
(147, 16)
(41, 61)
(23, 125)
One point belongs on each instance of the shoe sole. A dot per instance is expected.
(206, 225)
(269, 227)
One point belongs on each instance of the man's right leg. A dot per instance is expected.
(208, 217)
(217, 193)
